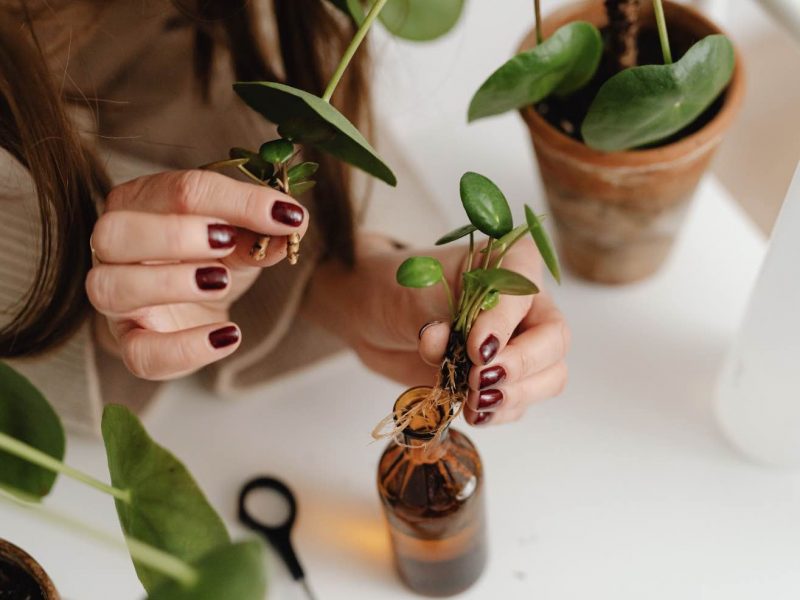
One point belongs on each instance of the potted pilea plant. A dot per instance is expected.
(430, 478)
(179, 545)
(625, 103)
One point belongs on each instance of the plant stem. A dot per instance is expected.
(37, 457)
(538, 14)
(521, 234)
(662, 31)
(352, 48)
(488, 253)
(450, 302)
(471, 249)
(149, 556)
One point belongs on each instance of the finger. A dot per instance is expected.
(159, 356)
(258, 208)
(507, 402)
(494, 328)
(433, 339)
(243, 255)
(131, 237)
(121, 289)
(530, 352)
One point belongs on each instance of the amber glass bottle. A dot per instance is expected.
(432, 493)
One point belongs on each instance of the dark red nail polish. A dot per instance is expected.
(221, 236)
(288, 213)
(211, 278)
(489, 399)
(225, 336)
(424, 327)
(489, 349)
(482, 418)
(492, 376)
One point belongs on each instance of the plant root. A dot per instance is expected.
(259, 248)
(623, 20)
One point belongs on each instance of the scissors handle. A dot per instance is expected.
(279, 536)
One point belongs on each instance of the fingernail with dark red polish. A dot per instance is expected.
(221, 236)
(424, 327)
(489, 399)
(211, 278)
(482, 418)
(492, 376)
(489, 349)
(225, 336)
(288, 213)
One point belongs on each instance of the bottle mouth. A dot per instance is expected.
(420, 424)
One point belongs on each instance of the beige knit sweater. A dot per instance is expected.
(146, 117)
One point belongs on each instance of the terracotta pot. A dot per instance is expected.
(17, 557)
(617, 213)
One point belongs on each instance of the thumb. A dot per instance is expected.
(433, 339)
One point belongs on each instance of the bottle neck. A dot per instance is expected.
(426, 450)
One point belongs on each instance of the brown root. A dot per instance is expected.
(623, 20)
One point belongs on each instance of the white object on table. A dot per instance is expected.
(759, 391)
(623, 488)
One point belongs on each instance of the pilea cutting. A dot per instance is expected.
(307, 120)
(636, 107)
(179, 545)
(483, 280)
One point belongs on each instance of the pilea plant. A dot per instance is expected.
(179, 545)
(483, 280)
(305, 119)
(636, 107)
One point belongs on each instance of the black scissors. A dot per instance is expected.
(279, 535)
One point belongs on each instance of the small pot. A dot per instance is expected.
(19, 569)
(617, 213)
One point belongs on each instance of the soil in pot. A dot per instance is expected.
(567, 114)
(16, 583)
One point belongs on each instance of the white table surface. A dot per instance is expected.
(622, 488)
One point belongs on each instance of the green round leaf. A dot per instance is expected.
(301, 187)
(543, 243)
(492, 299)
(421, 20)
(562, 64)
(646, 104)
(302, 171)
(420, 272)
(276, 152)
(234, 571)
(308, 119)
(456, 234)
(27, 416)
(255, 165)
(485, 204)
(504, 281)
(167, 509)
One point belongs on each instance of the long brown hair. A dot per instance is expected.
(35, 129)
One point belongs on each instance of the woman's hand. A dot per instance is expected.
(518, 348)
(172, 254)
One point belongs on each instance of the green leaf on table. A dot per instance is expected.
(302, 171)
(492, 299)
(301, 187)
(276, 152)
(255, 165)
(456, 234)
(504, 281)
(307, 119)
(485, 205)
(167, 509)
(27, 416)
(543, 243)
(643, 105)
(234, 571)
(420, 272)
(562, 64)
(421, 20)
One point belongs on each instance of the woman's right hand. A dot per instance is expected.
(172, 254)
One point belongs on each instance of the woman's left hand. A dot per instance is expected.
(518, 348)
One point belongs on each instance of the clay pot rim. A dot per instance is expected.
(681, 150)
(14, 554)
